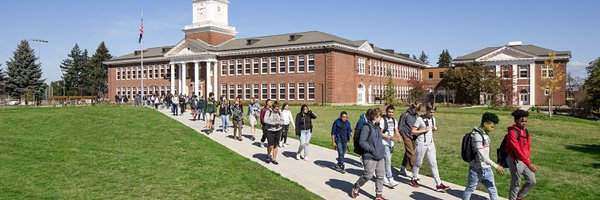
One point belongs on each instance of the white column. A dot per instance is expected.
(208, 79)
(184, 89)
(498, 73)
(216, 77)
(196, 79)
(514, 82)
(532, 83)
(173, 79)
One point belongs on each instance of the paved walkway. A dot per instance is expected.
(319, 175)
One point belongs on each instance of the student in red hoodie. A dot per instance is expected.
(518, 147)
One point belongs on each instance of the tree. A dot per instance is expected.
(57, 88)
(592, 84)
(417, 91)
(99, 71)
(424, 58)
(445, 59)
(77, 72)
(414, 57)
(389, 94)
(471, 81)
(552, 76)
(24, 74)
(2, 81)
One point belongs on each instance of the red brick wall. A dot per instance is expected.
(212, 38)
(113, 83)
(560, 95)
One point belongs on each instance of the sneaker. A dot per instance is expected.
(386, 182)
(414, 183)
(441, 188)
(275, 162)
(380, 197)
(269, 159)
(403, 171)
(298, 157)
(393, 183)
(354, 192)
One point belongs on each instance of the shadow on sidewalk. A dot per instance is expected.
(289, 154)
(326, 164)
(260, 156)
(258, 144)
(346, 187)
(459, 193)
(420, 195)
(248, 136)
(353, 162)
(357, 172)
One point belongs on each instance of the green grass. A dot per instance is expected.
(566, 150)
(123, 153)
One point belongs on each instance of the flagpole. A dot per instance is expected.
(142, 56)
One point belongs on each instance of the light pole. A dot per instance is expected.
(40, 57)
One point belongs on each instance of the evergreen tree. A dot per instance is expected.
(592, 84)
(99, 70)
(424, 58)
(76, 72)
(445, 59)
(389, 94)
(24, 74)
(2, 81)
(414, 57)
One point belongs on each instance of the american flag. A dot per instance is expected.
(141, 31)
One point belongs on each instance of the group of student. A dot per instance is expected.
(375, 135)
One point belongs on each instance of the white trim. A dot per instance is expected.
(532, 83)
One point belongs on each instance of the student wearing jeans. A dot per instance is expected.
(303, 130)
(389, 135)
(341, 133)
(287, 118)
(480, 169)
(424, 127)
(518, 144)
(373, 158)
(238, 119)
(225, 112)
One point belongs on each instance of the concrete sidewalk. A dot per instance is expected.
(319, 175)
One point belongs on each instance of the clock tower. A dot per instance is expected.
(210, 22)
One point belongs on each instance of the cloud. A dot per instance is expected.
(577, 68)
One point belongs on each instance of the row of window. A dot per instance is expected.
(377, 68)
(275, 91)
(133, 73)
(431, 75)
(150, 90)
(402, 92)
(270, 65)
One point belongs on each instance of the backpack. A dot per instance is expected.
(362, 121)
(501, 154)
(427, 125)
(467, 151)
(385, 120)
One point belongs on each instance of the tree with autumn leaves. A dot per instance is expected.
(552, 77)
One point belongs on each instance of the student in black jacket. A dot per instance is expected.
(304, 129)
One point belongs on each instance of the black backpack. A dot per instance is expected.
(467, 152)
(356, 138)
(501, 154)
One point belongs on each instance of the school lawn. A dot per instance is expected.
(566, 150)
(123, 153)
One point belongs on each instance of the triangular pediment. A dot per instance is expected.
(506, 53)
(366, 46)
(184, 48)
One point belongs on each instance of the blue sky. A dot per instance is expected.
(406, 26)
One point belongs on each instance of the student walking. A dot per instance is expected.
(268, 106)
(286, 114)
(341, 133)
(480, 168)
(389, 133)
(225, 112)
(518, 144)
(253, 114)
(373, 158)
(194, 105)
(303, 130)
(407, 120)
(175, 103)
(274, 125)
(238, 119)
(423, 128)
(201, 108)
(210, 107)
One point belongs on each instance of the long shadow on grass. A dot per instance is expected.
(459, 193)
(346, 187)
(585, 148)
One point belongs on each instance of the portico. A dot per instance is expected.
(193, 73)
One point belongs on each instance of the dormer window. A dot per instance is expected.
(294, 37)
(251, 41)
